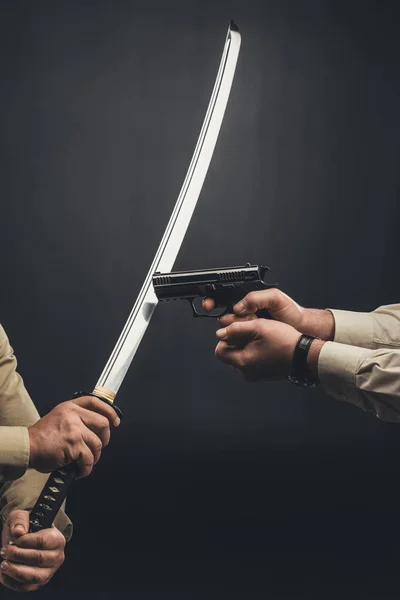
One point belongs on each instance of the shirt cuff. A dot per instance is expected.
(337, 368)
(14, 452)
(353, 328)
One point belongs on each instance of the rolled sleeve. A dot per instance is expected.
(337, 369)
(17, 413)
(377, 329)
(369, 379)
(353, 328)
(14, 452)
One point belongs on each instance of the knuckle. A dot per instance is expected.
(86, 400)
(98, 405)
(104, 423)
(38, 577)
(13, 553)
(40, 541)
(64, 408)
(93, 403)
(233, 328)
(61, 542)
(250, 298)
(53, 537)
(74, 436)
(262, 326)
(98, 446)
(40, 558)
(253, 300)
(276, 296)
(89, 462)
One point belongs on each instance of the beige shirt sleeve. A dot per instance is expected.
(17, 412)
(362, 364)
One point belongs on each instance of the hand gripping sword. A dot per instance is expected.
(58, 483)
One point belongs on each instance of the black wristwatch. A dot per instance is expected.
(300, 373)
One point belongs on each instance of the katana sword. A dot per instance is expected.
(58, 483)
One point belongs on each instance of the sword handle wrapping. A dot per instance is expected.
(56, 488)
(51, 498)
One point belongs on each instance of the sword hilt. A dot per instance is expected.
(55, 489)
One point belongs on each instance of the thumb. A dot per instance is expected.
(18, 522)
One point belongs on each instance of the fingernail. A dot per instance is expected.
(240, 306)
(117, 421)
(3, 552)
(221, 333)
(4, 566)
(19, 529)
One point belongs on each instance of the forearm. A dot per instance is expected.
(318, 323)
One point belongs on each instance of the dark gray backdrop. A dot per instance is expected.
(212, 488)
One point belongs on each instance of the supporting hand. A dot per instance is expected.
(29, 559)
(258, 348)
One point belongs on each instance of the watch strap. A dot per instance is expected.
(300, 373)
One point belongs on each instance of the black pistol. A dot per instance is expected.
(226, 286)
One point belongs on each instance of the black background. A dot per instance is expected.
(212, 487)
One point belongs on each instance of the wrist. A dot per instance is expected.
(32, 447)
(318, 323)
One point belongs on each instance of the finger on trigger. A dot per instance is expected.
(208, 304)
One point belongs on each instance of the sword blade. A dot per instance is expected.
(139, 318)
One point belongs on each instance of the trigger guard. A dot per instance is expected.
(194, 309)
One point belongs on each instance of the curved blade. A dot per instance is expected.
(136, 325)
